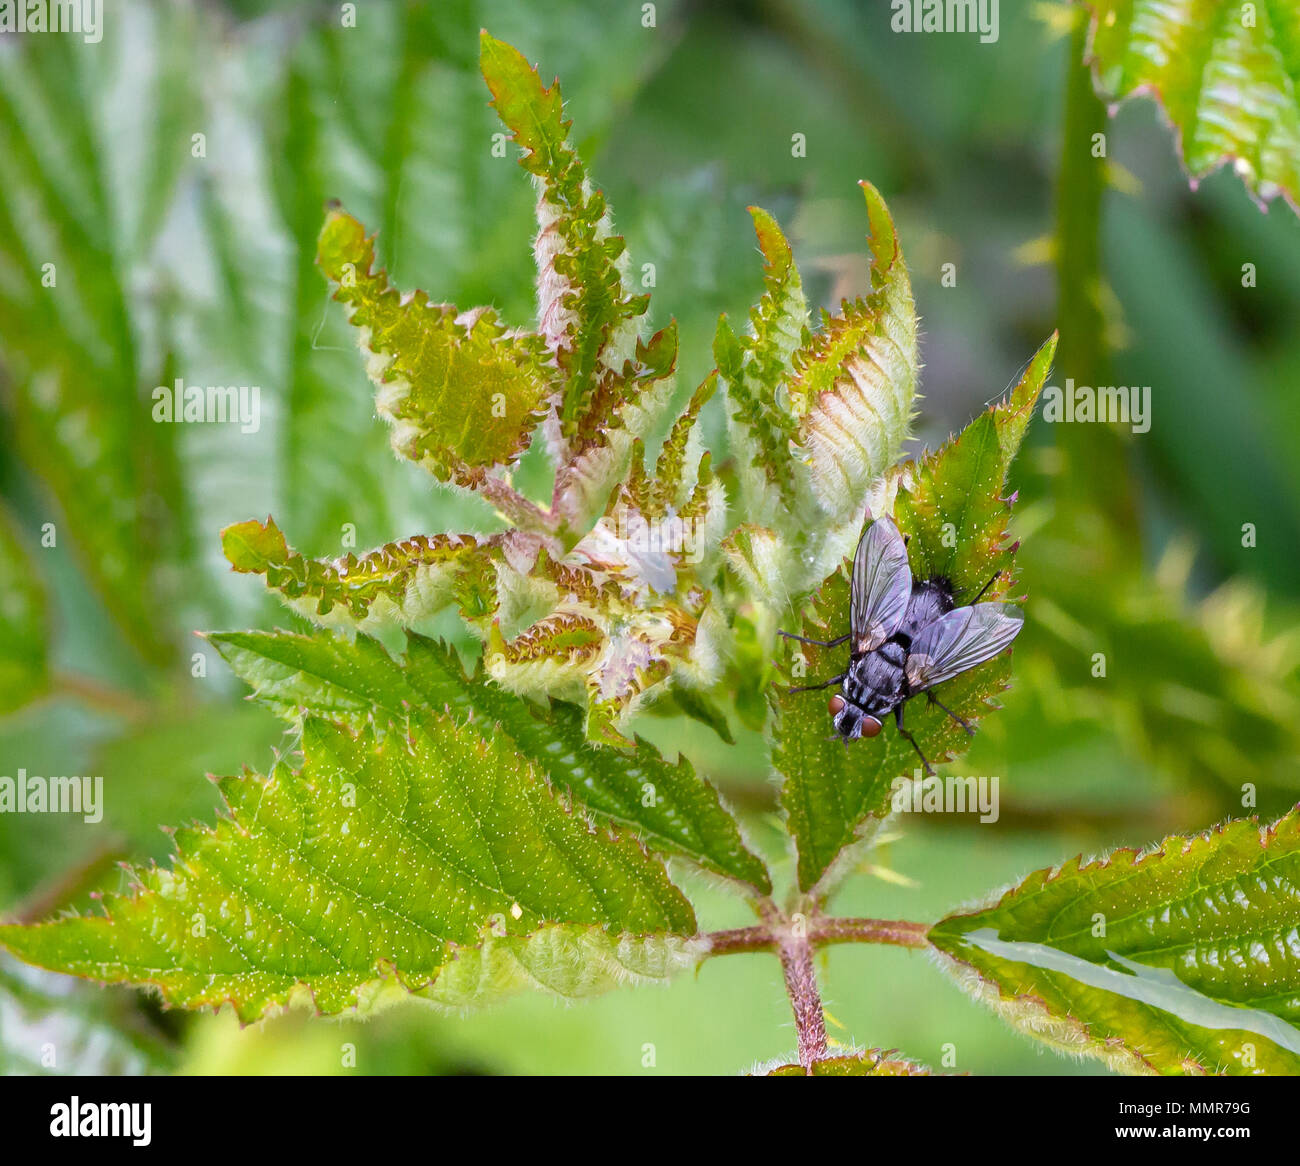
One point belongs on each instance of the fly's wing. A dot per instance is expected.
(961, 640)
(882, 585)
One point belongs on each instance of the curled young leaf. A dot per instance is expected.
(460, 392)
(399, 584)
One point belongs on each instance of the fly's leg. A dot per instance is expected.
(818, 643)
(980, 594)
(902, 732)
(815, 687)
(970, 732)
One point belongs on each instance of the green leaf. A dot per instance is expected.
(854, 382)
(460, 393)
(79, 231)
(951, 504)
(1229, 85)
(375, 866)
(668, 805)
(951, 509)
(1181, 959)
(585, 311)
(868, 1063)
(754, 367)
(23, 628)
(401, 583)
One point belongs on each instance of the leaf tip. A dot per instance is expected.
(251, 547)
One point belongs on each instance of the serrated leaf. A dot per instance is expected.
(754, 367)
(398, 584)
(668, 805)
(1226, 73)
(951, 509)
(23, 630)
(586, 313)
(670, 484)
(1182, 959)
(369, 868)
(853, 385)
(460, 393)
(868, 1063)
(951, 505)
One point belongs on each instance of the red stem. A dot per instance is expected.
(801, 984)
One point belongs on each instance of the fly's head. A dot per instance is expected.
(852, 722)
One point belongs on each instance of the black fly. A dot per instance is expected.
(908, 637)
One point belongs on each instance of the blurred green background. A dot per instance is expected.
(170, 260)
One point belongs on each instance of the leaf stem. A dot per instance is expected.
(820, 932)
(794, 940)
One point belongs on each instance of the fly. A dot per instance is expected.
(908, 637)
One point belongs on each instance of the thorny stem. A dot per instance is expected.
(518, 510)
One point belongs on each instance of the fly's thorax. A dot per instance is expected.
(930, 599)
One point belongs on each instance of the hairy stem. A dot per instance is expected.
(801, 983)
(820, 932)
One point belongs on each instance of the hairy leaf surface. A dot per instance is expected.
(1182, 959)
(369, 867)
(668, 805)
(1226, 73)
(868, 1063)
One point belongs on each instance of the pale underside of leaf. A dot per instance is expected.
(1183, 959)
(1227, 75)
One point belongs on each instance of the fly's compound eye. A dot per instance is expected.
(870, 726)
(836, 705)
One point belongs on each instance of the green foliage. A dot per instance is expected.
(1180, 959)
(373, 864)
(951, 510)
(1227, 74)
(668, 805)
(460, 393)
(588, 599)
(459, 832)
